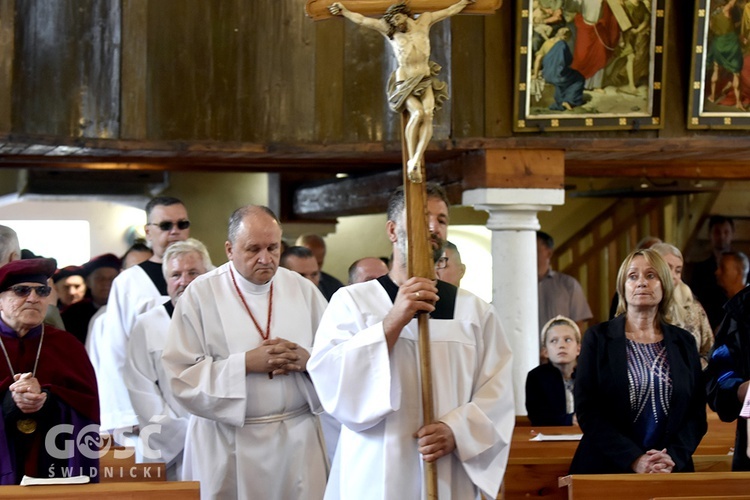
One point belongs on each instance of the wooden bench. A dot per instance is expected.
(118, 465)
(538, 478)
(648, 486)
(535, 466)
(176, 490)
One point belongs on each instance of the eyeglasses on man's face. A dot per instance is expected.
(167, 225)
(441, 263)
(25, 290)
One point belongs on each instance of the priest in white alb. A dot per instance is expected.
(365, 367)
(162, 421)
(236, 356)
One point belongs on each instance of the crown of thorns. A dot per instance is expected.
(398, 8)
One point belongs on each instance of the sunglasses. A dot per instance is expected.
(167, 225)
(25, 290)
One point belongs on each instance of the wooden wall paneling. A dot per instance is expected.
(285, 69)
(7, 49)
(133, 110)
(66, 72)
(367, 64)
(441, 36)
(231, 71)
(498, 73)
(329, 80)
(678, 44)
(468, 75)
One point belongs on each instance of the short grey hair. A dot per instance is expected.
(8, 244)
(180, 248)
(741, 261)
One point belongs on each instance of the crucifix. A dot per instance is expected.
(414, 92)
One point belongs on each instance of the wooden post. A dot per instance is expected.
(420, 263)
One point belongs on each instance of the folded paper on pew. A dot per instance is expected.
(47, 481)
(557, 437)
(745, 411)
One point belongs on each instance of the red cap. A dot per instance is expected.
(67, 272)
(26, 271)
(105, 260)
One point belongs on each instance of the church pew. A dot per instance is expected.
(538, 478)
(648, 486)
(711, 497)
(534, 466)
(177, 490)
(118, 465)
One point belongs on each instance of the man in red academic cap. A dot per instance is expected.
(46, 380)
(98, 273)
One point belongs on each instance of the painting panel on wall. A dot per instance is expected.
(589, 65)
(720, 93)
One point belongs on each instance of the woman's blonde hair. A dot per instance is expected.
(558, 321)
(656, 261)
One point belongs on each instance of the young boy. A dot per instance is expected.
(549, 387)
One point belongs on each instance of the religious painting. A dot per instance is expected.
(589, 65)
(720, 75)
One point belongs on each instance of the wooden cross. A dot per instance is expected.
(419, 249)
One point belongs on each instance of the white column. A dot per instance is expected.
(513, 222)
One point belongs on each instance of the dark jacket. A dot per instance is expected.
(545, 397)
(728, 367)
(602, 403)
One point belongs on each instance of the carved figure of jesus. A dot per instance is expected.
(413, 85)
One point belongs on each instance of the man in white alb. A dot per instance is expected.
(365, 368)
(236, 357)
(162, 421)
(135, 290)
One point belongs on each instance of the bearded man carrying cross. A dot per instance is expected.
(364, 365)
(413, 86)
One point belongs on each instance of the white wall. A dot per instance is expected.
(109, 222)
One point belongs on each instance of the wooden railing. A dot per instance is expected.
(593, 254)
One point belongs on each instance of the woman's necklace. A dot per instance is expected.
(267, 333)
(25, 425)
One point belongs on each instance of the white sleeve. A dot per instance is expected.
(350, 366)
(161, 429)
(483, 427)
(210, 387)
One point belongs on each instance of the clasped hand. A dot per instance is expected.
(277, 357)
(654, 462)
(27, 393)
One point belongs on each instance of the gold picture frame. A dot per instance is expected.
(720, 67)
(599, 67)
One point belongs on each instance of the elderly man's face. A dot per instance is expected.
(181, 271)
(257, 247)
(161, 239)
(23, 313)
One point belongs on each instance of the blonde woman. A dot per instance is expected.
(639, 393)
(686, 311)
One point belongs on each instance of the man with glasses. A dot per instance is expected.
(45, 380)
(134, 291)
(449, 267)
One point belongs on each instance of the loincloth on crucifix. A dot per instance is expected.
(399, 91)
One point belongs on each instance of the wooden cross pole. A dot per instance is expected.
(419, 262)
(419, 248)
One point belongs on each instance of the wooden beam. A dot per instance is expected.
(518, 168)
(318, 9)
